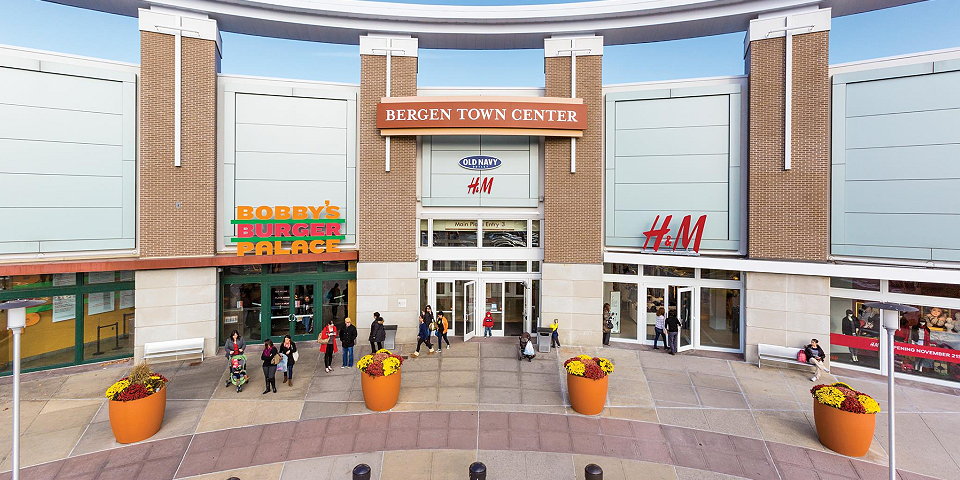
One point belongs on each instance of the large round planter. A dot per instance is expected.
(138, 420)
(380, 393)
(587, 396)
(844, 432)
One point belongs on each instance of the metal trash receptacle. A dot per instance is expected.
(543, 339)
(390, 338)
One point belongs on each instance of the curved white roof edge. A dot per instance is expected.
(483, 27)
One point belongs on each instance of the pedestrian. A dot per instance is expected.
(658, 329)
(554, 333)
(423, 337)
(377, 333)
(815, 356)
(348, 338)
(270, 357)
(443, 326)
(607, 324)
(673, 331)
(850, 325)
(289, 349)
(328, 344)
(488, 325)
(233, 346)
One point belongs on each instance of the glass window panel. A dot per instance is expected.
(279, 310)
(621, 268)
(454, 233)
(535, 266)
(535, 241)
(854, 340)
(423, 265)
(332, 267)
(466, 323)
(855, 283)
(37, 281)
(504, 233)
(494, 304)
(927, 341)
(49, 338)
(243, 270)
(504, 266)
(108, 324)
(720, 317)
(514, 304)
(662, 271)
(424, 294)
(100, 277)
(454, 266)
(945, 290)
(424, 232)
(303, 303)
(308, 267)
(445, 302)
(719, 274)
(535, 303)
(336, 302)
(623, 301)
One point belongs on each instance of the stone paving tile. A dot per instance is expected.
(88, 384)
(43, 389)
(673, 393)
(732, 422)
(720, 398)
(261, 472)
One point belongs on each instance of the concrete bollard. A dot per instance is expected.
(361, 472)
(478, 471)
(593, 472)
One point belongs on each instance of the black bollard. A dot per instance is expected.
(478, 471)
(361, 472)
(233, 478)
(593, 472)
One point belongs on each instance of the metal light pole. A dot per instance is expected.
(891, 323)
(16, 321)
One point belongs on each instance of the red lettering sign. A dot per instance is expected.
(477, 187)
(684, 235)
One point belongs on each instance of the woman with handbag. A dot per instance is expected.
(289, 349)
(328, 344)
(270, 357)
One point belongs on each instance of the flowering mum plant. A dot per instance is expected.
(586, 366)
(141, 383)
(844, 397)
(380, 364)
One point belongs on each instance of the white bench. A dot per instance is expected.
(173, 347)
(776, 353)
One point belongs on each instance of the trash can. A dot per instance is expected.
(390, 340)
(543, 339)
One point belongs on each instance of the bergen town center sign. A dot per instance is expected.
(546, 116)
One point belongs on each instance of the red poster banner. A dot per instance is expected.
(905, 349)
(860, 343)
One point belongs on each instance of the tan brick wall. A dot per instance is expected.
(387, 200)
(789, 209)
(166, 230)
(573, 202)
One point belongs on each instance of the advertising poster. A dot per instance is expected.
(126, 299)
(101, 277)
(99, 303)
(615, 311)
(64, 308)
(64, 279)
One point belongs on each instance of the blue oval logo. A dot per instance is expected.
(479, 162)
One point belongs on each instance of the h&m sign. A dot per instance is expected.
(686, 233)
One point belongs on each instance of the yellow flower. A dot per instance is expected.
(869, 404)
(841, 384)
(830, 396)
(384, 350)
(605, 365)
(117, 388)
(390, 366)
(364, 362)
(585, 357)
(576, 368)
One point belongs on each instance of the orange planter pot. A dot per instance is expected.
(843, 432)
(138, 420)
(587, 396)
(380, 393)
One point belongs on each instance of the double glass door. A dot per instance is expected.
(292, 309)
(675, 300)
(461, 303)
(507, 303)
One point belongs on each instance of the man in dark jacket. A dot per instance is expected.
(377, 333)
(815, 356)
(673, 331)
(348, 338)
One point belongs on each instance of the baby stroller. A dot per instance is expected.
(238, 371)
(525, 350)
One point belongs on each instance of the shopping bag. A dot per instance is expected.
(528, 350)
(282, 366)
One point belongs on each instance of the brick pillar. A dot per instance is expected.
(178, 206)
(573, 203)
(387, 233)
(789, 211)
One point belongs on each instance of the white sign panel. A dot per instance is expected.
(99, 303)
(615, 311)
(126, 298)
(64, 308)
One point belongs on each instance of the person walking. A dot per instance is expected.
(233, 346)
(607, 324)
(815, 357)
(348, 338)
(555, 333)
(269, 367)
(488, 325)
(442, 327)
(289, 349)
(377, 333)
(423, 336)
(673, 331)
(328, 344)
(658, 329)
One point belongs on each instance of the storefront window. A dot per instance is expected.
(664, 271)
(535, 266)
(454, 266)
(243, 270)
(336, 302)
(424, 232)
(423, 265)
(504, 266)
(241, 311)
(37, 281)
(504, 233)
(49, 338)
(720, 317)
(621, 268)
(854, 333)
(944, 290)
(868, 284)
(108, 324)
(622, 298)
(454, 233)
(719, 274)
(536, 233)
(928, 343)
(308, 267)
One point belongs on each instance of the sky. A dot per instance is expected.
(928, 25)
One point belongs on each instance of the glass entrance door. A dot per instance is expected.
(292, 311)
(445, 303)
(469, 310)
(685, 312)
(514, 308)
(494, 305)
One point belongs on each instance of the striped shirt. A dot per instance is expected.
(660, 320)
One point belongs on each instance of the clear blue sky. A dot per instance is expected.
(928, 25)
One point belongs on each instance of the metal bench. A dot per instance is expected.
(776, 353)
(173, 347)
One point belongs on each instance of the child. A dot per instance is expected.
(554, 335)
(488, 325)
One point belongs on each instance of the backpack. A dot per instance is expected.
(802, 356)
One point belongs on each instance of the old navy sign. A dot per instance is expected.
(480, 162)
(451, 113)
(660, 235)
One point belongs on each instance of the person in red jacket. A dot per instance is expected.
(488, 325)
(328, 344)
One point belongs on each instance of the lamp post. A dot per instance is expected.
(16, 321)
(891, 323)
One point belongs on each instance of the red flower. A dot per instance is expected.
(375, 369)
(135, 391)
(851, 404)
(592, 371)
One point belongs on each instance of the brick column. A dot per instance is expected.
(387, 232)
(573, 203)
(789, 211)
(178, 206)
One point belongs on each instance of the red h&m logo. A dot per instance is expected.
(684, 234)
(476, 187)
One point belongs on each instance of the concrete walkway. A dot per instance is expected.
(682, 416)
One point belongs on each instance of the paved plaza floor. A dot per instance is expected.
(672, 417)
